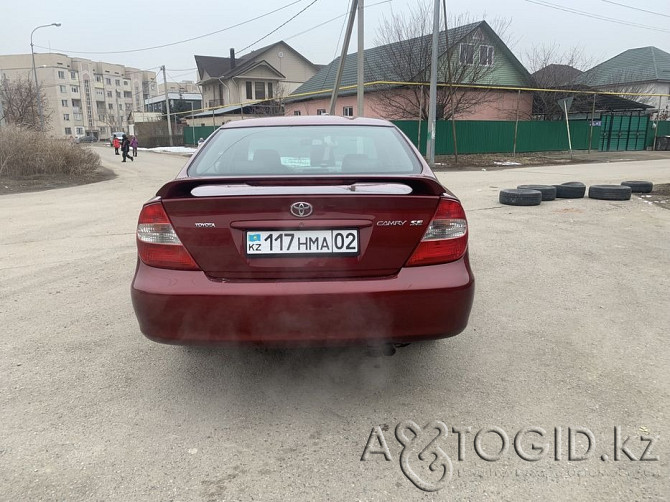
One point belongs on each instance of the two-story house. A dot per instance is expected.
(231, 84)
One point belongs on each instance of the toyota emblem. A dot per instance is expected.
(301, 209)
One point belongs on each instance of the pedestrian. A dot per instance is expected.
(125, 148)
(200, 142)
(133, 145)
(116, 144)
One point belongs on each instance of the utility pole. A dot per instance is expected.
(167, 105)
(361, 61)
(343, 55)
(2, 111)
(37, 85)
(432, 106)
(451, 82)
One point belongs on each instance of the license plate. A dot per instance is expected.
(303, 242)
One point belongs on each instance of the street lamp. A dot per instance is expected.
(37, 86)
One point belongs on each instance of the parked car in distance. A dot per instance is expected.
(118, 134)
(303, 231)
(86, 139)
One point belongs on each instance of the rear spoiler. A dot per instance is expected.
(183, 188)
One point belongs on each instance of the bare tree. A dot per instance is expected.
(19, 101)
(555, 68)
(110, 120)
(405, 55)
(273, 106)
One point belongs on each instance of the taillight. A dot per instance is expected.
(446, 237)
(157, 242)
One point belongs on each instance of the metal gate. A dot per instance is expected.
(623, 132)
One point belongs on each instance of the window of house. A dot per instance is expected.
(75, 88)
(64, 103)
(68, 131)
(117, 82)
(118, 94)
(62, 88)
(98, 78)
(110, 106)
(250, 91)
(467, 53)
(486, 55)
(61, 74)
(125, 82)
(109, 94)
(347, 111)
(80, 130)
(296, 112)
(66, 117)
(321, 111)
(103, 131)
(108, 81)
(270, 93)
(259, 88)
(73, 75)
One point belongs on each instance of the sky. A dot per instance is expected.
(125, 32)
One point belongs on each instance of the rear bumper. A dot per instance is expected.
(185, 307)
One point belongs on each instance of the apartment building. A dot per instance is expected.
(84, 97)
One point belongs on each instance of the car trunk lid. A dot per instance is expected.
(358, 227)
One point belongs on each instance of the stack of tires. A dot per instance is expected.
(534, 195)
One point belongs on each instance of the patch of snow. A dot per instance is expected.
(171, 149)
(507, 163)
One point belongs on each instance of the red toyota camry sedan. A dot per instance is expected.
(303, 230)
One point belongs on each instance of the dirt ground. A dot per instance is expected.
(660, 196)
(498, 161)
(38, 183)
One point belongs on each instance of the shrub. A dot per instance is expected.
(26, 153)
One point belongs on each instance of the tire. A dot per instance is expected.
(639, 186)
(548, 191)
(516, 197)
(610, 192)
(570, 190)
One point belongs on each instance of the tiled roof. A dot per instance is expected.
(634, 65)
(212, 65)
(554, 75)
(220, 66)
(377, 65)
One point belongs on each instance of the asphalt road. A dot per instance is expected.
(569, 330)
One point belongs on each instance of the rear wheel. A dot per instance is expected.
(609, 192)
(517, 197)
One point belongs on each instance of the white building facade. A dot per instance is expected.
(84, 97)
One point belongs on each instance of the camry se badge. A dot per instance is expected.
(301, 209)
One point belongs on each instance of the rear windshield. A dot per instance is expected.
(305, 150)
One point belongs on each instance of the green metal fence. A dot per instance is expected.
(490, 136)
(663, 130)
(193, 134)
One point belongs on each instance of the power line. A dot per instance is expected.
(596, 16)
(636, 8)
(278, 27)
(337, 45)
(179, 42)
(335, 19)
